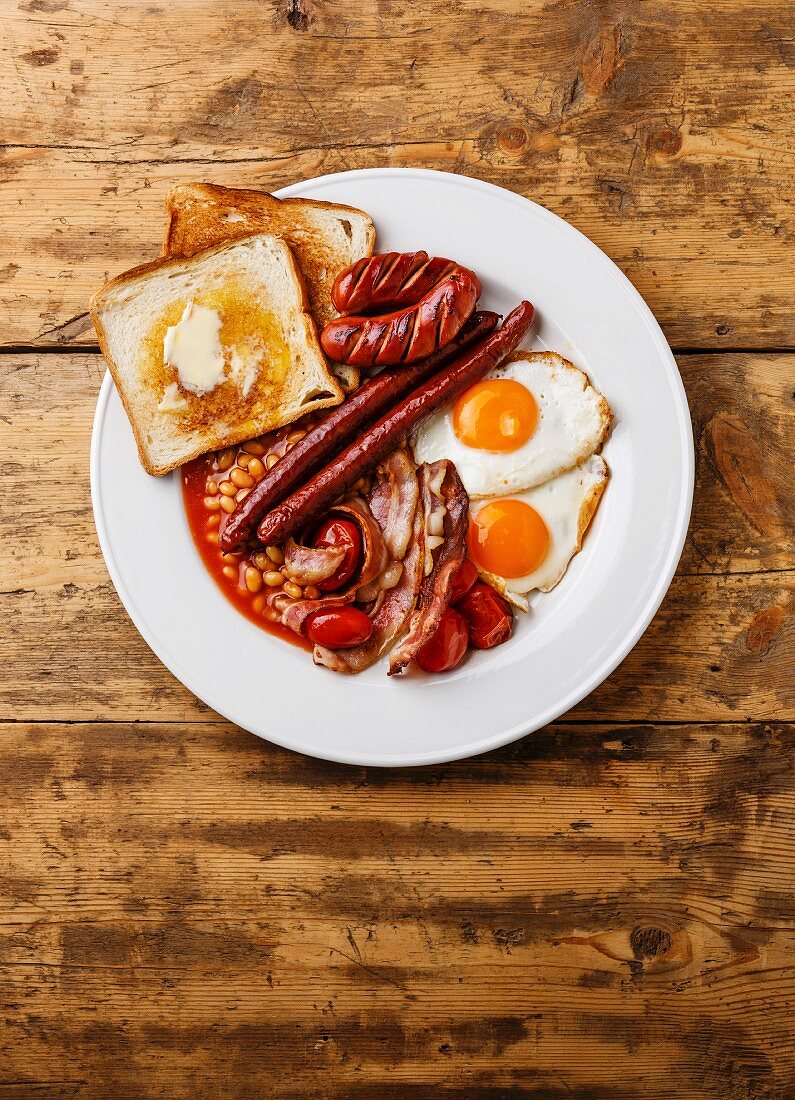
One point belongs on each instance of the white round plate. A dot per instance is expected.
(571, 639)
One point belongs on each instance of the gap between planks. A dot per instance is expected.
(630, 723)
(93, 349)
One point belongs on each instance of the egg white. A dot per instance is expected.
(566, 504)
(572, 422)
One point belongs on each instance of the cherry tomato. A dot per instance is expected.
(338, 627)
(335, 531)
(463, 580)
(489, 615)
(446, 647)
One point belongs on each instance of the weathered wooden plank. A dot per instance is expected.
(743, 423)
(744, 429)
(181, 901)
(593, 112)
(599, 911)
(717, 650)
(306, 82)
(711, 275)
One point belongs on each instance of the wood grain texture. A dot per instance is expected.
(719, 650)
(219, 918)
(663, 131)
(603, 911)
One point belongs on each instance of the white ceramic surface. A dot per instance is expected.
(572, 638)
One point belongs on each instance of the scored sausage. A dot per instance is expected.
(320, 492)
(389, 280)
(436, 295)
(337, 428)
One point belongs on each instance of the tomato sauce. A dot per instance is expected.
(227, 570)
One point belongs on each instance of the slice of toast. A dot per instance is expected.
(213, 349)
(325, 237)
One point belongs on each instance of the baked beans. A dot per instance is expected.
(241, 478)
(253, 580)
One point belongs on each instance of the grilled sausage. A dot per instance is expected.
(441, 296)
(337, 427)
(389, 280)
(320, 492)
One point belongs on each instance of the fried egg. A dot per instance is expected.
(525, 541)
(529, 420)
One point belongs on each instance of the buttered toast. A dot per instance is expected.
(325, 237)
(211, 350)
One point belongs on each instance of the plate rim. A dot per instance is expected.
(599, 675)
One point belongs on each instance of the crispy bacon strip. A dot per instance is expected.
(375, 555)
(445, 499)
(391, 614)
(311, 564)
(393, 501)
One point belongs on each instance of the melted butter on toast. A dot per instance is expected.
(256, 358)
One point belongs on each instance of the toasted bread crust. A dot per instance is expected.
(215, 441)
(174, 236)
(196, 220)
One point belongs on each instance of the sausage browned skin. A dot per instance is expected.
(320, 492)
(390, 280)
(407, 334)
(337, 428)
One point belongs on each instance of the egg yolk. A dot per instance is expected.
(508, 537)
(496, 414)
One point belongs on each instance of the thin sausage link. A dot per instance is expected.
(317, 495)
(338, 426)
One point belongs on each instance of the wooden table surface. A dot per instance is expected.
(604, 910)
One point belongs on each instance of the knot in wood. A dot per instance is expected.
(649, 943)
(297, 15)
(666, 142)
(602, 58)
(513, 139)
(764, 627)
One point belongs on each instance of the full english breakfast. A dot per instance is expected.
(371, 464)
